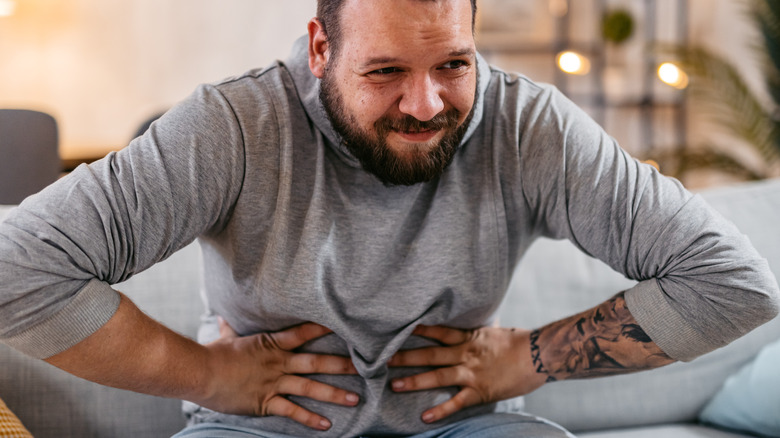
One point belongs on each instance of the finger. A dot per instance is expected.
(281, 407)
(225, 330)
(301, 386)
(463, 399)
(438, 378)
(445, 335)
(308, 363)
(429, 356)
(294, 337)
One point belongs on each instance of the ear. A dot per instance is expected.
(318, 48)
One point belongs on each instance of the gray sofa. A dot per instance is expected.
(553, 280)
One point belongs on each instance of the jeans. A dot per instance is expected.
(498, 425)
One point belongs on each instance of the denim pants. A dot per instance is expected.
(498, 425)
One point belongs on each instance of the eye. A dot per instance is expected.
(455, 64)
(384, 71)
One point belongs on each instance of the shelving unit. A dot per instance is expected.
(621, 91)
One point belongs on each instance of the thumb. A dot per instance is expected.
(225, 330)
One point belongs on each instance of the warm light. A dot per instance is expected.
(573, 63)
(7, 8)
(670, 74)
(558, 8)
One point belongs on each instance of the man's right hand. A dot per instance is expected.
(251, 375)
(248, 375)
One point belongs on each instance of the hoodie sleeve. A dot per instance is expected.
(701, 282)
(61, 249)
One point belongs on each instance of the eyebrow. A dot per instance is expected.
(389, 60)
(463, 52)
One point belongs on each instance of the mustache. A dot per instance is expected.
(407, 123)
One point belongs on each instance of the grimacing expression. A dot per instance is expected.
(418, 163)
(401, 90)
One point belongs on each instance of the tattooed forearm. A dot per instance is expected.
(535, 356)
(601, 341)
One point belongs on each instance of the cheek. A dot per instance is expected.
(370, 104)
(462, 96)
(458, 93)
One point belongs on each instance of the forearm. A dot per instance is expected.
(236, 375)
(604, 340)
(134, 352)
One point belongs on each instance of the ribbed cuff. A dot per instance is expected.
(86, 312)
(666, 327)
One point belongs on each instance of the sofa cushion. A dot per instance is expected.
(4, 209)
(664, 431)
(554, 280)
(750, 399)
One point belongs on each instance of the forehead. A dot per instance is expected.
(406, 27)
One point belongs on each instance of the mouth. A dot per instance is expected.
(418, 136)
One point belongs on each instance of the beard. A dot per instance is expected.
(417, 162)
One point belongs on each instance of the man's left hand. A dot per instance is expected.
(488, 364)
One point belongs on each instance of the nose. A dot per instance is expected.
(422, 98)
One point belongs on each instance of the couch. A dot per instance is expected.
(660, 403)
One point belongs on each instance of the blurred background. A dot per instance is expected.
(689, 84)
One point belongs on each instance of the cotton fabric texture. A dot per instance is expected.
(500, 425)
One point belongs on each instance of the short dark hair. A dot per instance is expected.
(329, 13)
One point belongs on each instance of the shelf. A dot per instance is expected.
(600, 92)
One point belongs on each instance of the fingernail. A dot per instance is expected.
(353, 398)
(324, 424)
(427, 417)
(398, 384)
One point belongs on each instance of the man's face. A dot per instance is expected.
(401, 89)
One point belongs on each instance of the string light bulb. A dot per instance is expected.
(7, 8)
(573, 63)
(672, 75)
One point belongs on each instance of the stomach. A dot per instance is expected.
(381, 411)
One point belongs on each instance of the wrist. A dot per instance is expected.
(531, 377)
(541, 372)
(211, 358)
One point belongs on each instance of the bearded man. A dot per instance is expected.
(361, 207)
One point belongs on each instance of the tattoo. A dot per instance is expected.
(601, 341)
(580, 323)
(535, 356)
(598, 317)
(636, 333)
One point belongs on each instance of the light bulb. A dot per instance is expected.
(573, 63)
(672, 75)
(7, 8)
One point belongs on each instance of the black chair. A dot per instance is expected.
(29, 153)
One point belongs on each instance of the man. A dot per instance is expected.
(361, 208)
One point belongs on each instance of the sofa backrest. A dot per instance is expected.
(555, 279)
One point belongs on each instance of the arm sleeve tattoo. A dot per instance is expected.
(604, 340)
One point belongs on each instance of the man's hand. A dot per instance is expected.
(487, 364)
(491, 364)
(240, 375)
(253, 374)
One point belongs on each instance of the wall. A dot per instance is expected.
(101, 67)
